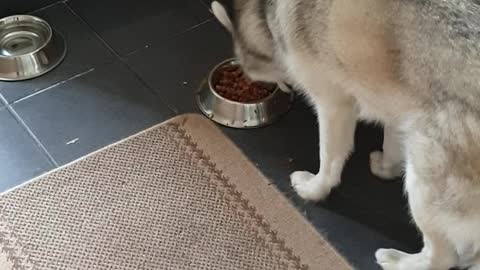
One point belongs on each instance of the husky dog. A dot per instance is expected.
(412, 65)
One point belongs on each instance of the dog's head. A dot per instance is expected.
(252, 40)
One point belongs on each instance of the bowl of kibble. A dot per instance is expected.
(230, 98)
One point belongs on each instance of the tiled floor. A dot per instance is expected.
(126, 69)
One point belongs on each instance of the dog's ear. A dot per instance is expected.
(222, 16)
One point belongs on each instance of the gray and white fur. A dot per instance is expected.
(412, 65)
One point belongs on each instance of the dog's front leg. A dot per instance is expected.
(337, 120)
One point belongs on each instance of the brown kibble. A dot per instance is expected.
(233, 85)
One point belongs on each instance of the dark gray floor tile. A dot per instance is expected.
(355, 241)
(207, 3)
(97, 109)
(84, 52)
(176, 68)
(128, 26)
(12, 7)
(20, 158)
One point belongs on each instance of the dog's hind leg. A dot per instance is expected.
(388, 164)
(438, 253)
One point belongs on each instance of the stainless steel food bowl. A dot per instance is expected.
(236, 114)
(28, 47)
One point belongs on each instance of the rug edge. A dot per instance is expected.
(26, 183)
(195, 125)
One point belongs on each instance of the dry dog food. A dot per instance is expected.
(233, 85)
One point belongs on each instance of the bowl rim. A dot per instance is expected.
(224, 122)
(57, 37)
(34, 18)
(212, 89)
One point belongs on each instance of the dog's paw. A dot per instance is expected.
(392, 259)
(475, 267)
(309, 186)
(389, 259)
(382, 168)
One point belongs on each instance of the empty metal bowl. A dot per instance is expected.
(236, 114)
(28, 48)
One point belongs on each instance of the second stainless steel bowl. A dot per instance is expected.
(236, 114)
(28, 47)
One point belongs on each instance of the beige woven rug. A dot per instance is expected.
(177, 196)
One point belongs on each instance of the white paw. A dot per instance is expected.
(475, 267)
(392, 259)
(309, 186)
(383, 168)
(389, 259)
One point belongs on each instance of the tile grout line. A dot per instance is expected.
(32, 136)
(113, 51)
(207, 6)
(47, 6)
(121, 59)
(193, 27)
(173, 37)
(53, 85)
(3, 101)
